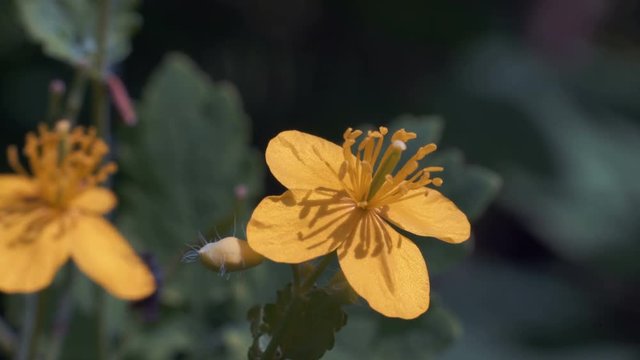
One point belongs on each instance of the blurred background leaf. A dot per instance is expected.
(179, 173)
(587, 151)
(67, 29)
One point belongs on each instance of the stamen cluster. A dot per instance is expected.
(369, 178)
(64, 163)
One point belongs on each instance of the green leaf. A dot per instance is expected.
(67, 28)
(180, 165)
(309, 324)
(178, 170)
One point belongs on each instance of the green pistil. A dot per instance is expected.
(386, 167)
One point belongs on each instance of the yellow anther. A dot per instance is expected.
(403, 135)
(14, 160)
(371, 179)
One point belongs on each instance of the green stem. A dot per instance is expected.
(8, 338)
(101, 323)
(295, 273)
(31, 326)
(311, 280)
(100, 105)
(56, 93)
(75, 96)
(297, 294)
(101, 120)
(63, 315)
(100, 95)
(270, 351)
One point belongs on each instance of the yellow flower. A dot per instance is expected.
(56, 212)
(346, 202)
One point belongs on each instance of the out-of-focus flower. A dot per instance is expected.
(338, 200)
(56, 210)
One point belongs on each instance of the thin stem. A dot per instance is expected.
(56, 93)
(308, 283)
(100, 109)
(101, 323)
(63, 315)
(101, 120)
(295, 273)
(75, 96)
(31, 326)
(270, 351)
(100, 94)
(297, 294)
(8, 338)
(102, 36)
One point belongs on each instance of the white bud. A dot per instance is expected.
(229, 254)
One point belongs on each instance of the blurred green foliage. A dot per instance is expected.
(579, 201)
(67, 28)
(308, 334)
(180, 169)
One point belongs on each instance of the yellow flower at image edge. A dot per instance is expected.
(343, 200)
(56, 212)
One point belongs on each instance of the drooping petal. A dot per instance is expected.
(386, 269)
(302, 161)
(107, 258)
(426, 212)
(33, 246)
(301, 225)
(15, 187)
(96, 200)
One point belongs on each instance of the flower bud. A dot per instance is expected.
(229, 254)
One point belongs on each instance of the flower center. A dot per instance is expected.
(369, 178)
(64, 162)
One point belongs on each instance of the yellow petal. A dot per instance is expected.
(107, 258)
(97, 200)
(300, 225)
(426, 212)
(33, 246)
(386, 269)
(302, 161)
(16, 186)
